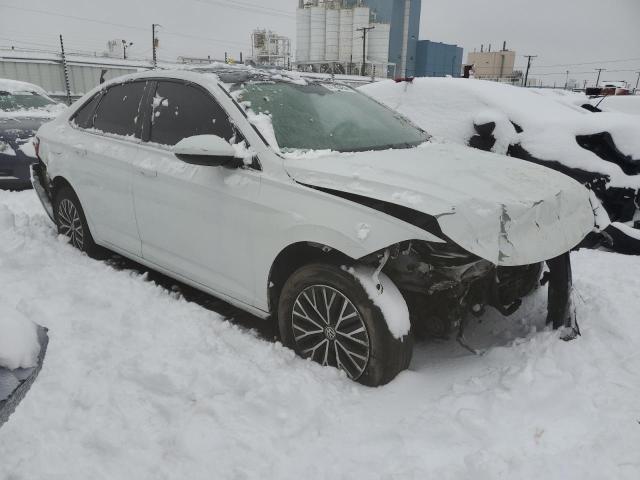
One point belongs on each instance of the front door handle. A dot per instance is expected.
(147, 173)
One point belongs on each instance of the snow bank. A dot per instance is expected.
(448, 107)
(19, 347)
(140, 384)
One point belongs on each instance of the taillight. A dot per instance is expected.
(36, 146)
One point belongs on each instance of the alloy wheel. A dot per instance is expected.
(70, 223)
(328, 328)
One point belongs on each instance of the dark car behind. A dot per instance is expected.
(23, 109)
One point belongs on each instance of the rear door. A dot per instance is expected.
(194, 220)
(105, 144)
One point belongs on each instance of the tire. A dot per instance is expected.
(72, 223)
(360, 344)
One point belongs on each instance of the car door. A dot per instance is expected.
(104, 144)
(194, 220)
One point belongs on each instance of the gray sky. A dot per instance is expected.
(560, 32)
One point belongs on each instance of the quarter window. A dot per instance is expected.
(119, 109)
(180, 111)
(85, 116)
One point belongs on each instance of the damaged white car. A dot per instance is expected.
(311, 204)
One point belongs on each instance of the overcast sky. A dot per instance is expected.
(560, 32)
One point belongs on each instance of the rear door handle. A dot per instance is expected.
(147, 173)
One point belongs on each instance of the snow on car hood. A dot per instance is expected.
(510, 213)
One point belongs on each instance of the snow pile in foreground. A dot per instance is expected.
(139, 384)
(448, 108)
(19, 345)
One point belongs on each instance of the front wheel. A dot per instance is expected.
(72, 223)
(325, 314)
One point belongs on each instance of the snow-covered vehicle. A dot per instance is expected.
(24, 107)
(550, 128)
(308, 202)
(22, 349)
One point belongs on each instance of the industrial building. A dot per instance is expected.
(332, 34)
(496, 65)
(270, 49)
(436, 59)
(47, 70)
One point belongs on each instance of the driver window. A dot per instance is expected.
(180, 111)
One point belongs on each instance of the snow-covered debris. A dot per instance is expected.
(448, 108)
(629, 104)
(138, 383)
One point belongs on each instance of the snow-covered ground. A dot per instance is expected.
(140, 384)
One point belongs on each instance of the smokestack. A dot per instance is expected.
(482, 48)
(489, 48)
(504, 46)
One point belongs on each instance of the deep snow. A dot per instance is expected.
(140, 384)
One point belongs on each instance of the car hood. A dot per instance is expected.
(506, 211)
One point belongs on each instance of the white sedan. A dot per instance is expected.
(307, 202)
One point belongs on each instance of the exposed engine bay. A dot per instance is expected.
(444, 285)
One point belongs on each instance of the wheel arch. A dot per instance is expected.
(294, 256)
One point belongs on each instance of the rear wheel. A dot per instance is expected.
(325, 314)
(72, 223)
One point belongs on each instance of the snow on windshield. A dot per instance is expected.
(322, 116)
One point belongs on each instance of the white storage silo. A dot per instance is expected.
(378, 40)
(360, 19)
(318, 32)
(346, 35)
(303, 34)
(332, 32)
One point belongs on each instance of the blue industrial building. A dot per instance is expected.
(435, 59)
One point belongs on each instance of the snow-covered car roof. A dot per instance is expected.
(14, 86)
(545, 126)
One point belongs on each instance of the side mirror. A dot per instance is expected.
(207, 150)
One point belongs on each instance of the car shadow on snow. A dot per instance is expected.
(264, 328)
(489, 331)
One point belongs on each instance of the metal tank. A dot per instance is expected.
(346, 35)
(318, 32)
(360, 19)
(303, 34)
(378, 40)
(332, 32)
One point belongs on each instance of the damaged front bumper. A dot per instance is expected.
(444, 286)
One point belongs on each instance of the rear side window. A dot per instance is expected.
(85, 116)
(180, 111)
(119, 109)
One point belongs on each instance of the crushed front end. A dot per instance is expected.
(444, 285)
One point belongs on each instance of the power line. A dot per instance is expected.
(588, 63)
(133, 27)
(249, 7)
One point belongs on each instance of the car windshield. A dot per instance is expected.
(13, 101)
(326, 116)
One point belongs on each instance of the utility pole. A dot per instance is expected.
(566, 82)
(526, 75)
(66, 71)
(124, 48)
(599, 70)
(364, 31)
(154, 44)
